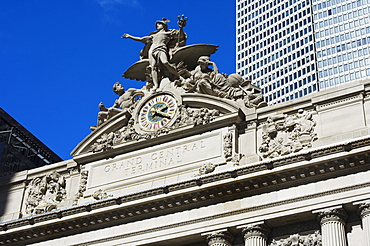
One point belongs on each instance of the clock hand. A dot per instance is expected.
(164, 114)
(155, 112)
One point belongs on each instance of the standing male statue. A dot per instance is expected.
(159, 44)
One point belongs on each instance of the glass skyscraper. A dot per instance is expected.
(342, 35)
(291, 48)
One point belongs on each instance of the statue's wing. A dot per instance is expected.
(190, 54)
(137, 70)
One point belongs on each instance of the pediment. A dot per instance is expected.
(190, 102)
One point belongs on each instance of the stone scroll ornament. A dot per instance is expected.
(299, 240)
(283, 134)
(43, 194)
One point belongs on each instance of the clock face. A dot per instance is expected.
(157, 112)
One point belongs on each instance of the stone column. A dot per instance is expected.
(255, 234)
(219, 238)
(365, 216)
(332, 222)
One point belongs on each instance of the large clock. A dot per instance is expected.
(157, 112)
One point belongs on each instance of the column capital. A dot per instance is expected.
(220, 237)
(364, 209)
(259, 229)
(332, 214)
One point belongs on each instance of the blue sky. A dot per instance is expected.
(60, 58)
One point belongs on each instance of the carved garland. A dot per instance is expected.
(228, 146)
(82, 187)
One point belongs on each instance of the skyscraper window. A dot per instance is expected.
(284, 39)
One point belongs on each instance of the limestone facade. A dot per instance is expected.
(295, 173)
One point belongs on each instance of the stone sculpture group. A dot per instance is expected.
(167, 64)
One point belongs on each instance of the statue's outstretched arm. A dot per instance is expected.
(140, 39)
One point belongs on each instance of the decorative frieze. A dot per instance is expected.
(283, 134)
(43, 194)
(299, 240)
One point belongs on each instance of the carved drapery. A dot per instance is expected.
(219, 238)
(255, 234)
(333, 227)
(365, 216)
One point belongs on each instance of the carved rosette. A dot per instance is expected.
(43, 194)
(220, 238)
(283, 134)
(82, 187)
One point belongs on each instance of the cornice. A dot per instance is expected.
(289, 171)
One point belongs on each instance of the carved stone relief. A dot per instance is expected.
(228, 146)
(82, 187)
(100, 194)
(43, 194)
(184, 69)
(186, 116)
(283, 134)
(207, 168)
(206, 80)
(299, 240)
